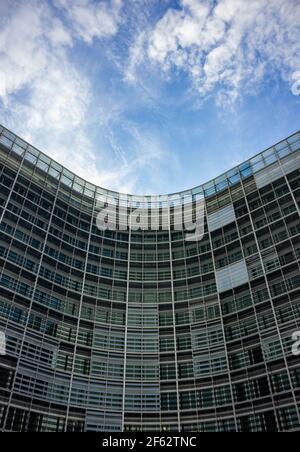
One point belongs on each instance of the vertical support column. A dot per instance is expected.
(298, 210)
(257, 324)
(126, 325)
(174, 320)
(80, 308)
(32, 295)
(272, 306)
(223, 328)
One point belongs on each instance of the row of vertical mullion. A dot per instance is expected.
(33, 291)
(79, 312)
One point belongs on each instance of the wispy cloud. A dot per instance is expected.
(140, 152)
(84, 80)
(50, 100)
(45, 97)
(90, 20)
(226, 47)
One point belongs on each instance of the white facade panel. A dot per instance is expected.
(277, 170)
(221, 218)
(232, 276)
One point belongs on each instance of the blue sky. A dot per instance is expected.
(148, 96)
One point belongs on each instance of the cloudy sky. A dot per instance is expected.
(150, 96)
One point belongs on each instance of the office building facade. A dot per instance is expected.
(143, 330)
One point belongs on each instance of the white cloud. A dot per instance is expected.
(59, 100)
(136, 56)
(59, 35)
(139, 154)
(91, 20)
(33, 53)
(227, 46)
(45, 98)
(22, 48)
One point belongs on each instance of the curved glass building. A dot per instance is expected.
(142, 329)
